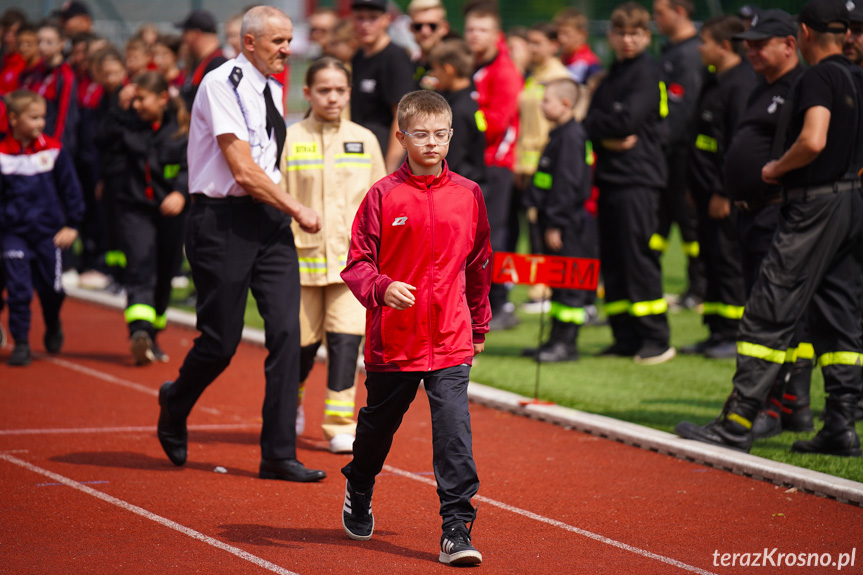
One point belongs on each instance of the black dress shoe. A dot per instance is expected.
(289, 470)
(172, 433)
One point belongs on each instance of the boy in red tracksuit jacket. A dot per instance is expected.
(419, 261)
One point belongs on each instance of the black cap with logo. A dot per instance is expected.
(370, 4)
(825, 16)
(198, 20)
(855, 11)
(71, 9)
(766, 24)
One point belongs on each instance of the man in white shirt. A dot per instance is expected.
(239, 237)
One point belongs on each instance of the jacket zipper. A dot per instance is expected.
(431, 279)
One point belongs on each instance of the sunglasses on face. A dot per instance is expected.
(417, 26)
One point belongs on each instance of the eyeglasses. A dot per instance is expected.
(318, 30)
(441, 137)
(417, 26)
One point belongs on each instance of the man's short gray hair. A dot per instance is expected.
(255, 19)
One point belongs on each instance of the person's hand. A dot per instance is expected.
(478, 348)
(308, 219)
(617, 145)
(173, 204)
(65, 237)
(553, 239)
(769, 173)
(719, 207)
(127, 93)
(399, 296)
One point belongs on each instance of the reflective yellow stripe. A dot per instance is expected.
(723, 310)
(588, 148)
(338, 408)
(530, 158)
(296, 163)
(663, 100)
(765, 353)
(841, 358)
(645, 308)
(353, 160)
(658, 243)
(542, 180)
(313, 265)
(805, 351)
(740, 419)
(481, 122)
(567, 314)
(115, 259)
(706, 143)
(161, 321)
(140, 312)
(691, 249)
(617, 307)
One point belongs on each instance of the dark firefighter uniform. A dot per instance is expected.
(631, 101)
(720, 106)
(758, 204)
(560, 187)
(815, 265)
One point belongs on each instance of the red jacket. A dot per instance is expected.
(432, 233)
(498, 84)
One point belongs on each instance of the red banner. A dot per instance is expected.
(553, 271)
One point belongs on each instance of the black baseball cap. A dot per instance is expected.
(71, 9)
(825, 16)
(855, 11)
(370, 4)
(198, 20)
(766, 24)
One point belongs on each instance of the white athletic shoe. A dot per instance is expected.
(300, 424)
(342, 443)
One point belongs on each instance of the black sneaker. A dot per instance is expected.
(654, 353)
(20, 355)
(455, 547)
(53, 339)
(357, 518)
(142, 348)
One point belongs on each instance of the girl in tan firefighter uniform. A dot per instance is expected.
(329, 164)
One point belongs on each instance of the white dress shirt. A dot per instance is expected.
(230, 100)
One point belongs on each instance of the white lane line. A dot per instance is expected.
(142, 429)
(115, 380)
(560, 524)
(149, 515)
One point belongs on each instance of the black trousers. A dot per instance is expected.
(233, 246)
(578, 242)
(498, 201)
(675, 208)
(634, 304)
(154, 252)
(814, 265)
(389, 396)
(725, 294)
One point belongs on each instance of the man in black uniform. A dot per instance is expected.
(720, 106)
(816, 259)
(382, 73)
(771, 48)
(682, 76)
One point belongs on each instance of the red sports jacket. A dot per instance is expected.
(498, 84)
(432, 233)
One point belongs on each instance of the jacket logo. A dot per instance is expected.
(368, 85)
(400, 221)
(354, 148)
(774, 105)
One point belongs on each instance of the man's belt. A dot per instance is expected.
(812, 192)
(207, 200)
(755, 205)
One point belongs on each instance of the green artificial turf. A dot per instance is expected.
(688, 388)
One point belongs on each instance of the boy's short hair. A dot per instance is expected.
(687, 5)
(456, 53)
(136, 43)
(419, 5)
(482, 9)
(547, 29)
(172, 42)
(26, 28)
(422, 103)
(564, 88)
(20, 100)
(723, 28)
(571, 17)
(630, 15)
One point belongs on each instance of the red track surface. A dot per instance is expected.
(86, 488)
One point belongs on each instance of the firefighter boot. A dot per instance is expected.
(339, 425)
(838, 436)
(769, 420)
(796, 414)
(732, 429)
(561, 343)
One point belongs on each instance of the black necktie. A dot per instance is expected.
(275, 122)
